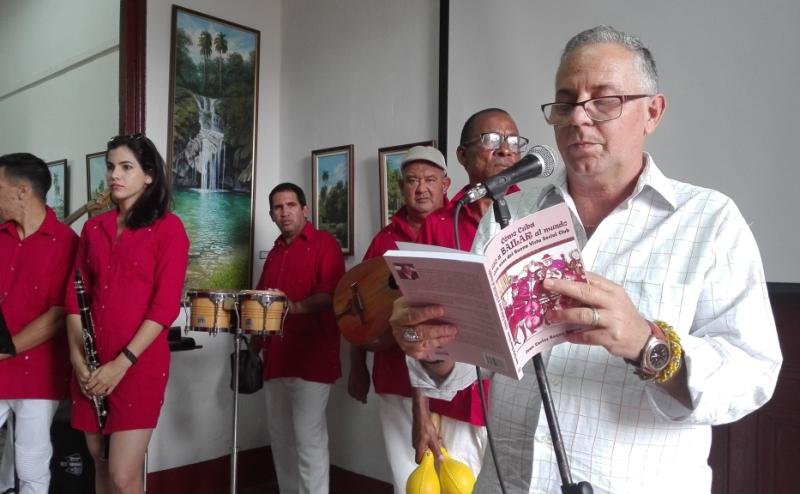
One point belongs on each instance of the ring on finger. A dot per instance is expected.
(411, 335)
(595, 317)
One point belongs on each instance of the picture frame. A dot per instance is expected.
(96, 184)
(58, 195)
(211, 146)
(389, 160)
(332, 193)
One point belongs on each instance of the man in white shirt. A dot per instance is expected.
(678, 333)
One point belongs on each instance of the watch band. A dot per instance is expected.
(664, 332)
(676, 350)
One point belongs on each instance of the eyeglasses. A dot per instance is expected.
(493, 140)
(599, 109)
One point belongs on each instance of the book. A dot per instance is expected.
(496, 300)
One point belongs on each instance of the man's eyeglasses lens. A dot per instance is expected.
(598, 109)
(493, 140)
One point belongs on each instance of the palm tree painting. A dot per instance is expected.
(332, 201)
(211, 152)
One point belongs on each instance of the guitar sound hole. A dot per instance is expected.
(392, 284)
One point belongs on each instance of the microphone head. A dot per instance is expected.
(547, 156)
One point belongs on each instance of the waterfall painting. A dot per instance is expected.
(332, 193)
(59, 191)
(211, 150)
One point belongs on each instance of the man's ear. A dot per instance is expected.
(446, 183)
(461, 154)
(655, 111)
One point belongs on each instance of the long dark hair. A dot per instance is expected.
(157, 197)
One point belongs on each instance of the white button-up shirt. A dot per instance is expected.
(684, 255)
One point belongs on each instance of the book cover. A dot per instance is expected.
(496, 300)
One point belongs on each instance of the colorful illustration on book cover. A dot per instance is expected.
(406, 271)
(525, 301)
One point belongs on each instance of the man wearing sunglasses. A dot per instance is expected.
(674, 331)
(489, 143)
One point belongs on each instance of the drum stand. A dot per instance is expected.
(235, 448)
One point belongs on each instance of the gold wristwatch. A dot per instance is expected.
(661, 356)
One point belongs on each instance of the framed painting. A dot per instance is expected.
(211, 149)
(389, 160)
(58, 195)
(332, 193)
(96, 184)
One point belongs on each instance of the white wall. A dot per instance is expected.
(195, 423)
(59, 89)
(729, 69)
(360, 72)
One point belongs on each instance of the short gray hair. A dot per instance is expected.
(606, 34)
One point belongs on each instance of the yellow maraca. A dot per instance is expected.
(456, 477)
(423, 479)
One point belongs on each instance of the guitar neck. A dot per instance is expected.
(75, 215)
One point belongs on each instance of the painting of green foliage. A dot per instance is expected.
(211, 150)
(332, 200)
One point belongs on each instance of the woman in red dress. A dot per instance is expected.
(133, 262)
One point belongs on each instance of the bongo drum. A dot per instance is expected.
(262, 311)
(210, 310)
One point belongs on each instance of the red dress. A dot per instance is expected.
(129, 279)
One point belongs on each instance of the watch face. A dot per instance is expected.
(658, 356)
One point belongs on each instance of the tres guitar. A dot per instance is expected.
(363, 302)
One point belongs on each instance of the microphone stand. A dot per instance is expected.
(502, 216)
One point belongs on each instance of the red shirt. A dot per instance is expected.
(438, 230)
(136, 276)
(389, 371)
(33, 275)
(309, 348)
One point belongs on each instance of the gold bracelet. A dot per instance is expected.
(676, 353)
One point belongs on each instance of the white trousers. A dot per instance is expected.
(464, 442)
(32, 447)
(7, 457)
(396, 418)
(298, 431)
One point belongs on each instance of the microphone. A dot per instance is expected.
(539, 162)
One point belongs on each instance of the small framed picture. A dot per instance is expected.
(389, 160)
(96, 184)
(332, 193)
(58, 195)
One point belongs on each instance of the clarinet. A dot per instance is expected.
(90, 349)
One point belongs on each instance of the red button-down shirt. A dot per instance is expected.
(33, 276)
(309, 348)
(389, 371)
(136, 276)
(438, 230)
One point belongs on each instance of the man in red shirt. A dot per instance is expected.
(424, 184)
(37, 252)
(489, 144)
(300, 366)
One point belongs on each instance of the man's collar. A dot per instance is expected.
(651, 177)
(47, 227)
(307, 233)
